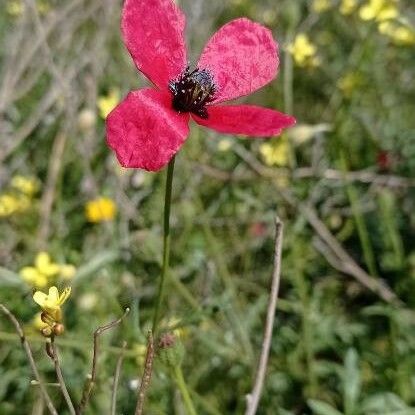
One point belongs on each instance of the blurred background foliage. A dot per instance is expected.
(342, 181)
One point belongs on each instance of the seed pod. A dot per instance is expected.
(58, 329)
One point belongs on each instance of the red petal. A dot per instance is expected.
(153, 33)
(144, 131)
(246, 119)
(242, 56)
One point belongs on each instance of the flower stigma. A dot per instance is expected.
(192, 91)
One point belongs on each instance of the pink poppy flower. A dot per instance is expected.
(150, 125)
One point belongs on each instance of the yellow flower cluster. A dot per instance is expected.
(347, 7)
(275, 152)
(45, 270)
(19, 196)
(320, 6)
(303, 51)
(399, 33)
(379, 10)
(100, 210)
(51, 314)
(15, 8)
(107, 103)
(389, 20)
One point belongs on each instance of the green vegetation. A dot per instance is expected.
(341, 181)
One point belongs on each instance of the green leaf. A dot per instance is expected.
(322, 408)
(351, 381)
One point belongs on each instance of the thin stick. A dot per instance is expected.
(254, 396)
(91, 378)
(148, 368)
(48, 195)
(61, 380)
(32, 363)
(116, 380)
(350, 266)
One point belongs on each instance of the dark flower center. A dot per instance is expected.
(192, 90)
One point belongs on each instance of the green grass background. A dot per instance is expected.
(338, 347)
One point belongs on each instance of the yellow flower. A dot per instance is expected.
(400, 34)
(26, 185)
(348, 7)
(174, 325)
(275, 153)
(320, 6)
(100, 210)
(51, 303)
(303, 51)
(43, 7)
(349, 83)
(379, 10)
(140, 351)
(41, 272)
(67, 271)
(38, 323)
(225, 144)
(15, 8)
(108, 102)
(9, 204)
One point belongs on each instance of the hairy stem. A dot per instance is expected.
(166, 246)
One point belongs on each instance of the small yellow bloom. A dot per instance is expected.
(174, 325)
(320, 6)
(303, 51)
(45, 265)
(100, 210)
(15, 8)
(347, 7)
(67, 271)
(43, 7)
(349, 83)
(398, 33)
(51, 303)
(108, 102)
(9, 204)
(275, 153)
(38, 323)
(140, 351)
(379, 10)
(26, 185)
(41, 272)
(225, 144)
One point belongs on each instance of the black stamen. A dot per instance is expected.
(192, 90)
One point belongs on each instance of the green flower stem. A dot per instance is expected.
(181, 384)
(166, 245)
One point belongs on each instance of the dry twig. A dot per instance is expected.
(91, 378)
(55, 357)
(349, 265)
(148, 368)
(254, 397)
(32, 363)
(116, 379)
